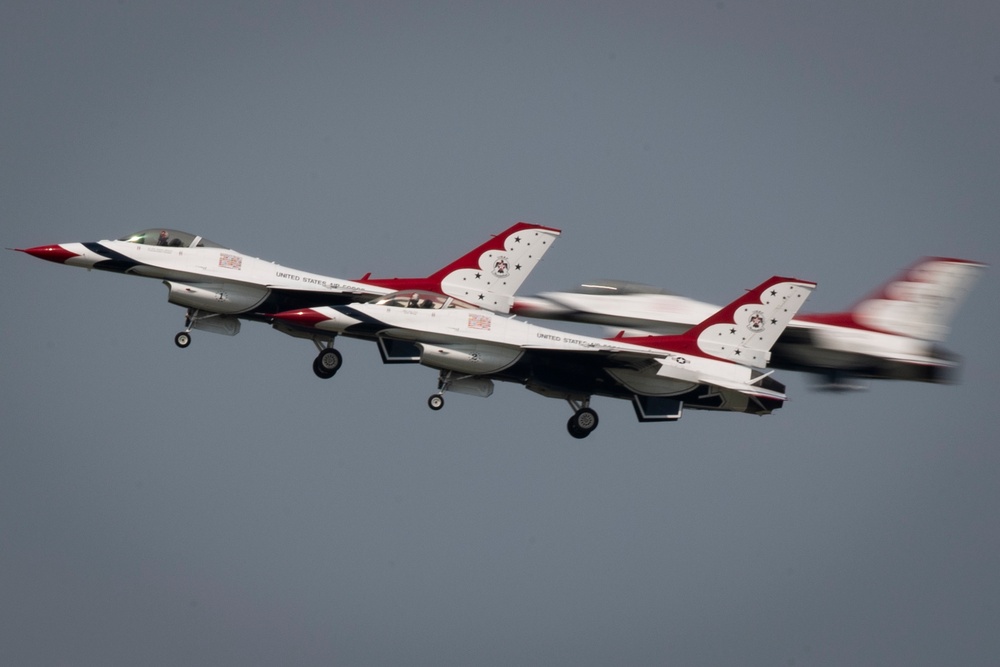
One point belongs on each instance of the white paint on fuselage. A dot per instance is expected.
(669, 314)
(210, 264)
(460, 325)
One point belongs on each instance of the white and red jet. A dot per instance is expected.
(220, 286)
(711, 366)
(894, 333)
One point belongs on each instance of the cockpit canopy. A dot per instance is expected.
(169, 237)
(418, 299)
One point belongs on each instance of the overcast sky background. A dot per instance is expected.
(222, 505)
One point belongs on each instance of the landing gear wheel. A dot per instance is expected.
(320, 372)
(182, 340)
(328, 363)
(582, 423)
(435, 402)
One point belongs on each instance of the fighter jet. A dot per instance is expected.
(219, 286)
(712, 366)
(894, 333)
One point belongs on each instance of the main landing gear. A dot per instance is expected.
(328, 362)
(580, 425)
(584, 419)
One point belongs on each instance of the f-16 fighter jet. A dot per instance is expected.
(219, 286)
(711, 366)
(894, 333)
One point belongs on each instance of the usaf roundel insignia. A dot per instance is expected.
(756, 321)
(501, 268)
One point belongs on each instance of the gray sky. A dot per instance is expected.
(221, 505)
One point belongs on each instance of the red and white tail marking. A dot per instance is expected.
(918, 303)
(489, 275)
(743, 331)
(494, 271)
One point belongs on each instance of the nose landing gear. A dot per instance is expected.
(183, 339)
(199, 319)
(436, 401)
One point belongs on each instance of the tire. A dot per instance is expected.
(328, 363)
(582, 423)
(435, 402)
(575, 430)
(182, 340)
(320, 372)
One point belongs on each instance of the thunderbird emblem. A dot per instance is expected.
(501, 268)
(756, 322)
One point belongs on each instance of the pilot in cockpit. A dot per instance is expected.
(166, 240)
(419, 301)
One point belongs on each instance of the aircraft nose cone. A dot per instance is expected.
(529, 305)
(52, 253)
(306, 317)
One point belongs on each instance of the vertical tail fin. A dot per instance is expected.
(919, 302)
(491, 273)
(494, 271)
(743, 331)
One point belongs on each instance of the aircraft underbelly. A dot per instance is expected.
(647, 384)
(938, 367)
(784, 355)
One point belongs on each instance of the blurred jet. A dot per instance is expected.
(712, 366)
(894, 333)
(219, 286)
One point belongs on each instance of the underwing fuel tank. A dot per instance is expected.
(221, 324)
(222, 298)
(480, 387)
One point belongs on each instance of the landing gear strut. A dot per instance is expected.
(584, 419)
(183, 339)
(194, 318)
(436, 401)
